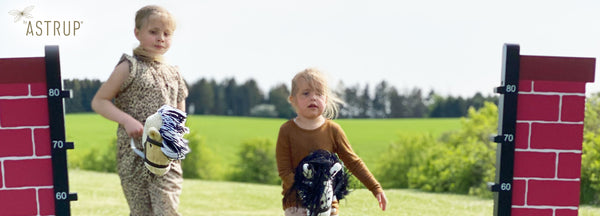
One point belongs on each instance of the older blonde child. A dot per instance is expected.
(311, 130)
(140, 85)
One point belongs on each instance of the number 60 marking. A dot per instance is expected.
(505, 186)
(61, 195)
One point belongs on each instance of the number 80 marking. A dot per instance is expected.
(511, 88)
(53, 92)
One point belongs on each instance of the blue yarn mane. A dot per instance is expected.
(172, 130)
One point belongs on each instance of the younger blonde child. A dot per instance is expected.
(311, 130)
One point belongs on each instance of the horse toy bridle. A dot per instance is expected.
(143, 154)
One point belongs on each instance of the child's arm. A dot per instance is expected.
(102, 101)
(182, 91)
(358, 167)
(284, 164)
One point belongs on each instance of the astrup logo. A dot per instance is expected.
(44, 27)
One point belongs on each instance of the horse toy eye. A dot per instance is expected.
(307, 171)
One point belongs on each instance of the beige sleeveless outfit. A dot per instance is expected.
(149, 86)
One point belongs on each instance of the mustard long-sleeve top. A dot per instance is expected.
(295, 143)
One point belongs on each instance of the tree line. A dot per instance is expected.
(228, 97)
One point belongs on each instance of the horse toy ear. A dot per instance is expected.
(335, 169)
(154, 134)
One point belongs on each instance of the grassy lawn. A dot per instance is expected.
(100, 194)
(223, 135)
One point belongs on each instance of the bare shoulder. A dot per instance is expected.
(110, 88)
(120, 73)
(123, 67)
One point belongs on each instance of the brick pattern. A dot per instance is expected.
(548, 143)
(26, 184)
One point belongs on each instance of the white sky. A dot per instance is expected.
(452, 47)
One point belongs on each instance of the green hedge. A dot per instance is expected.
(590, 159)
(256, 162)
(461, 161)
(199, 163)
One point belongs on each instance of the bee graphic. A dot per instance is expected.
(20, 14)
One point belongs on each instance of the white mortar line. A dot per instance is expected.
(526, 190)
(2, 173)
(531, 85)
(549, 150)
(14, 158)
(528, 136)
(548, 122)
(547, 207)
(26, 127)
(28, 187)
(560, 97)
(33, 141)
(556, 166)
(545, 179)
(21, 97)
(552, 93)
(37, 200)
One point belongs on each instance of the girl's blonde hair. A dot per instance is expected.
(316, 80)
(141, 18)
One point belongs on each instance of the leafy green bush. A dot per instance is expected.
(256, 162)
(590, 169)
(103, 158)
(590, 159)
(400, 157)
(462, 161)
(200, 163)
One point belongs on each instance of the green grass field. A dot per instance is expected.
(100, 194)
(223, 135)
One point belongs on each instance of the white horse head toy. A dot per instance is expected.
(163, 139)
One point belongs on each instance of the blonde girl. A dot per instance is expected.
(313, 129)
(140, 85)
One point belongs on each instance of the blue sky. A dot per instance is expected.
(452, 47)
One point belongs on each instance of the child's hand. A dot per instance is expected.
(134, 128)
(382, 200)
